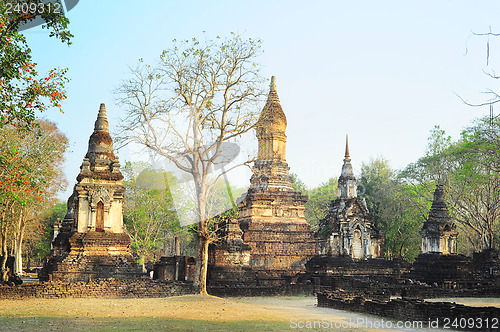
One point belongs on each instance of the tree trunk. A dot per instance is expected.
(142, 259)
(18, 258)
(4, 254)
(200, 282)
(18, 245)
(28, 261)
(485, 239)
(491, 237)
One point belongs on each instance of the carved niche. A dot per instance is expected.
(100, 195)
(100, 202)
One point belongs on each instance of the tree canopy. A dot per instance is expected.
(30, 176)
(22, 91)
(201, 94)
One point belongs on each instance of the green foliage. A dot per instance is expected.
(474, 183)
(149, 214)
(42, 234)
(391, 208)
(470, 170)
(324, 232)
(22, 91)
(376, 185)
(319, 202)
(298, 184)
(31, 174)
(434, 166)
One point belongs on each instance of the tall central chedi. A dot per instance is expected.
(270, 169)
(91, 242)
(271, 215)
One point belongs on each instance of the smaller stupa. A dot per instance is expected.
(91, 241)
(438, 262)
(348, 229)
(439, 233)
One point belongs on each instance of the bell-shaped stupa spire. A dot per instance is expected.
(100, 160)
(439, 210)
(272, 116)
(271, 169)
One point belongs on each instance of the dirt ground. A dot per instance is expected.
(181, 313)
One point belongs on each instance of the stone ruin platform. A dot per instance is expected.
(429, 314)
(437, 268)
(93, 255)
(346, 266)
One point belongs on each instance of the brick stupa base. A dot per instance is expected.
(93, 255)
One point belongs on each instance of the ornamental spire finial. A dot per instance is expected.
(273, 83)
(347, 147)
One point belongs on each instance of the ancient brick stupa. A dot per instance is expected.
(91, 242)
(439, 233)
(271, 235)
(348, 229)
(439, 261)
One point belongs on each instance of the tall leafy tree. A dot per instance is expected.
(201, 95)
(474, 183)
(30, 176)
(396, 208)
(23, 91)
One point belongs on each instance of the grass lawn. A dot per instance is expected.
(181, 313)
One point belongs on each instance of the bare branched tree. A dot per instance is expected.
(492, 96)
(200, 95)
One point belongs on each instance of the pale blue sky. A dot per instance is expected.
(384, 72)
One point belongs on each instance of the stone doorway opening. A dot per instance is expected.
(357, 247)
(99, 222)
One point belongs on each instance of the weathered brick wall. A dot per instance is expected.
(345, 266)
(102, 288)
(275, 229)
(392, 286)
(180, 268)
(409, 309)
(281, 289)
(246, 281)
(279, 245)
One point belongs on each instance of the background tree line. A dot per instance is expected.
(399, 200)
(31, 150)
(30, 177)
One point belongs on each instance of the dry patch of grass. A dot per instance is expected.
(182, 313)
